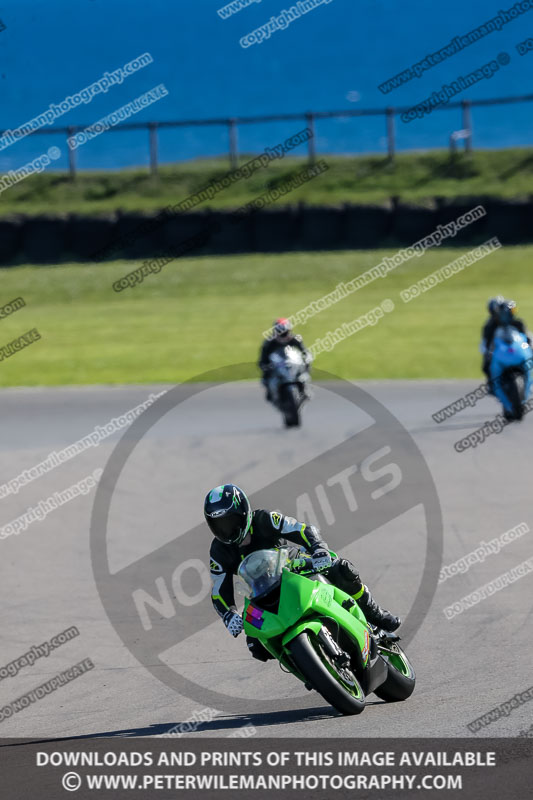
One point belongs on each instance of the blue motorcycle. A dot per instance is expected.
(510, 369)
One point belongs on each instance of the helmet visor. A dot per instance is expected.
(230, 528)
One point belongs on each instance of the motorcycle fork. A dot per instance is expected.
(339, 656)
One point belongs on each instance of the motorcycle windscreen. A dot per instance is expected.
(261, 571)
(508, 335)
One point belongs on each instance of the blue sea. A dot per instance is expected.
(333, 57)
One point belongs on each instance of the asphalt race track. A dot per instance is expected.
(465, 666)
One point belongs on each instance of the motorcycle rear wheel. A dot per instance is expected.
(338, 686)
(401, 678)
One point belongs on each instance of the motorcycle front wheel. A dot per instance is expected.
(337, 685)
(290, 404)
(514, 388)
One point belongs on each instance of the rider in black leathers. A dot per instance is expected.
(282, 335)
(239, 531)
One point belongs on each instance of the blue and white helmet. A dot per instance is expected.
(493, 305)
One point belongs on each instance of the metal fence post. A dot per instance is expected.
(391, 133)
(152, 128)
(466, 107)
(467, 123)
(310, 120)
(453, 145)
(233, 143)
(71, 130)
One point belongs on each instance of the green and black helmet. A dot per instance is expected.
(228, 513)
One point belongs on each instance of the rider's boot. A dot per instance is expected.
(375, 614)
(268, 393)
(486, 370)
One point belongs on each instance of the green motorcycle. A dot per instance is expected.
(319, 633)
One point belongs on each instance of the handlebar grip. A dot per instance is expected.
(301, 564)
(306, 565)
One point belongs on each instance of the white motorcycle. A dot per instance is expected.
(288, 381)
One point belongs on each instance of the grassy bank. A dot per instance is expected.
(365, 179)
(200, 313)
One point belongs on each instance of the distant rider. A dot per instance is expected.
(502, 312)
(281, 336)
(239, 531)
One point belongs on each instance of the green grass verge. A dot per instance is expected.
(201, 313)
(364, 179)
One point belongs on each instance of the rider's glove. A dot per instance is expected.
(321, 559)
(233, 622)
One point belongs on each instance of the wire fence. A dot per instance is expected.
(311, 118)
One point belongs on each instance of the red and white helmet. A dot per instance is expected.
(282, 329)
